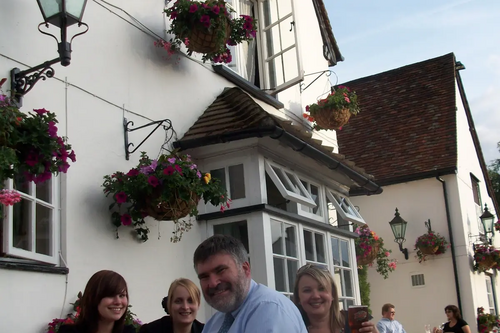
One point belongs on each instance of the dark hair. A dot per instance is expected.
(386, 307)
(102, 284)
(164, 304)
(220, 244)
(455, 310)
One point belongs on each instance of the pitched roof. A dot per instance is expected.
(234, 115)
(407, 125)
(331, 50)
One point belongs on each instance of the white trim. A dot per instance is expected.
(321, 200)
(293, 189)
(344, 207)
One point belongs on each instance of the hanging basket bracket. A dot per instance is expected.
(166, 123)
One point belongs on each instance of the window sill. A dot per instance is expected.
(16, 264)
(247, 86)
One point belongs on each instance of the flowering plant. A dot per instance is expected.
(211, 16)
(341, 98)
(430, 243)
(486, 321)
(486, 257)
(29, 144)
(370, 245)
(56, 323)
(172, 182)
(497, 225)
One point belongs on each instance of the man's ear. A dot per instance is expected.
(246, 268)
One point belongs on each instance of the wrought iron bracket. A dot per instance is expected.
(303, 87)
(167, 126)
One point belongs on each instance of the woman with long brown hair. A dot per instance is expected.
(103, 306)
(316, 296)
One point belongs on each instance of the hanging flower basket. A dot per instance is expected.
(486, 257)
(166, 189)
(430, 243)
(334, 111)
(331, 118)
(206, 27)
(370, 249)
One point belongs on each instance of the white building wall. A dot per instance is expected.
(115, 72)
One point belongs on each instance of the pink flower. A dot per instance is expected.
(169, 170)
(347, 99)
(9, 197)
(40, 111)
(186, 41)
(392, 265)
(178, 169)
(171, 160)
(52, 129)
(121, 197)
(216, 9)
(126, 219)
(133, 172)
(387, 254)
(72, 156)
(198, 174)
(153, 181)
(193, 8)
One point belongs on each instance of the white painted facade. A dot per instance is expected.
(417, 202)
(117, 72)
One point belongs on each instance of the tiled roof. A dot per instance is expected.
(407, 124)
(234, 115)
(331, 50)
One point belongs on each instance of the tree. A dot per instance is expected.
(494, 174)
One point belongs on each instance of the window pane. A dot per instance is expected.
(345, 253)
(236, 181)
(308, 242)
(292, 266)
(277, 238)
(315, 195)
(43, 191)
(335, 251)
(283, 179)
(221, 175)
(349, 302)
(43, 230)
(338, 281)
(276, 9)
(320, 247)
(238, 230)
(290, 241)
(279, 274)
(21, 235)
(348, 283)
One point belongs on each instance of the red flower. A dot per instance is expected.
(169, 170)
(133, 172)
(153, 181)
(126, 219)
(121, 197)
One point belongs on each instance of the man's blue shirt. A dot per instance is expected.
(390, 326)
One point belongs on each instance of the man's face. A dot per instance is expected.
(224, 284)
(390, 314)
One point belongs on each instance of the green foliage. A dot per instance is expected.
(494, 174)
(211, 15)
(486, 321)
(486, 253)
(172, 180)
(364, 286)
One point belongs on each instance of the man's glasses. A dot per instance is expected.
(393, 312)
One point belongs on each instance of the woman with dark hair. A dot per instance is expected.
(316, 296)
(103, 306)
(182, 303)
(455, 322)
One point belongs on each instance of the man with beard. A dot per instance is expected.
(221, 263)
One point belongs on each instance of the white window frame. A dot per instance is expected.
(322, 200)
(300, 195)
(8, 224)
(228, 179)
(344, 207)
(490, 294)
(326, 248)
(352, 268)
(267, 58)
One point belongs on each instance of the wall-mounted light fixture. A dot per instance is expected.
(487, 220)
(398, 226)
(62, 14)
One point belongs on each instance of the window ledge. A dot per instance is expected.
(7, 263)
(247, 86)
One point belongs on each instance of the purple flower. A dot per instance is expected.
(2, 98)
(121, 197)
(32, 159)
(133, 172)
(63, 167)
(198, 174)
(247, 18)
(216, 9)
(153, 181)
(72, 156)
(248, 25)
(205, 19)
(171, 160)
(149, 168)
(52, 129)
(192, 166)
(231, 42)
(126, 219)
(173, 15)
(193, 8)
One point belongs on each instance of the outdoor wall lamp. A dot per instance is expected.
(487, 220)
(398, 226)
(62, 14)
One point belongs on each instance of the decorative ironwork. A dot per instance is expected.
(167, 126)
(327, 72)
(24, 81)
(428, 225)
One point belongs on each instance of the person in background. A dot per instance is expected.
(455, 322)
(103, 306)
(182, 303)
(388, 324)
(316, 296)
(244, 306)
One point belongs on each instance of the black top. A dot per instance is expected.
(165, 325)
(78, 329)
(457, 328)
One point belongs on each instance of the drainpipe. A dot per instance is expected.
(452, 243)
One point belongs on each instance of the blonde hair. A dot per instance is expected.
(325, 280)
(192, 289)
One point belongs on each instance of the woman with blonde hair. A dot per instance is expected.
(103, 306)
(183, 302)
(315, 294)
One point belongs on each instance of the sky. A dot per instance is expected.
(379, 35)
